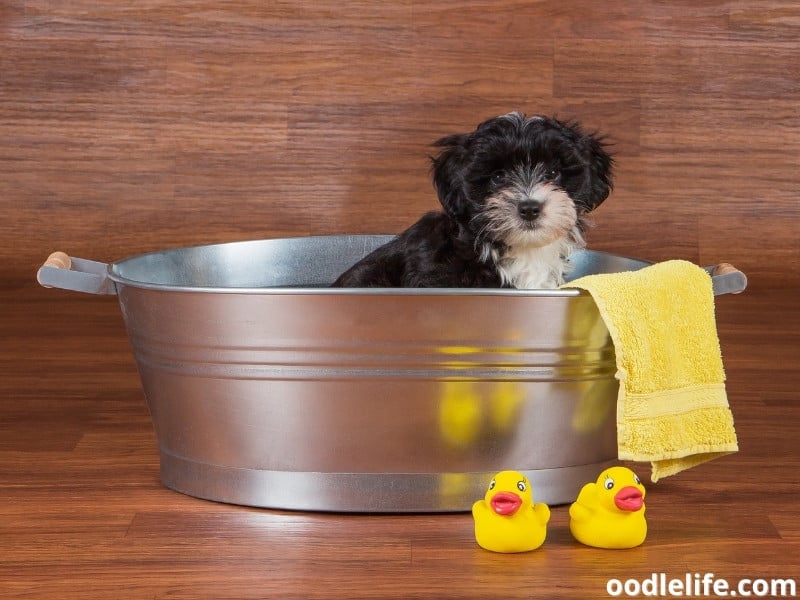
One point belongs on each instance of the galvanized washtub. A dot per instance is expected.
(267, 388)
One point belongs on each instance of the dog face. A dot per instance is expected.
(518, 181)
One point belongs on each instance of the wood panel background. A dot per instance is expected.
(134, 126)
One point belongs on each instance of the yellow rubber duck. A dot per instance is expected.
(609, 513)
(507, 520)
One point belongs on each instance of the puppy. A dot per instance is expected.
(515, 194)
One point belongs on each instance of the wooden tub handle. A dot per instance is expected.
(730, 272)
(76, 274)
(58, 260)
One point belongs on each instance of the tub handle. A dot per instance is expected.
(726, 279)
(77, 274)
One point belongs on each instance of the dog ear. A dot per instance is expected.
(448, 169)
(598, 182)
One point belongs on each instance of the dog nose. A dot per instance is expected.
(529, 209)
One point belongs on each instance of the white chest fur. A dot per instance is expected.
(536, 267)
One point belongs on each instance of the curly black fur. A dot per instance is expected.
(506, 188)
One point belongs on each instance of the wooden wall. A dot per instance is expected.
(135, 126)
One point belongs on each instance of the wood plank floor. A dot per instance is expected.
(129, 127)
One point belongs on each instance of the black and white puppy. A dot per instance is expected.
(515, 194)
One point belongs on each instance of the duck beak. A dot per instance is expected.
(629, 498)
(505, 503)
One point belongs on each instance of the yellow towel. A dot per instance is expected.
(672, 409)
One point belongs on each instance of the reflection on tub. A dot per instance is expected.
(470, 411)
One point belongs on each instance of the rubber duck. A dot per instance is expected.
(506, 519)
(609, 513)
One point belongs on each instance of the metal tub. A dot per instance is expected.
(267, 388)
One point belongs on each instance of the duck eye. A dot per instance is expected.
(609, 483)
(636, 479)
(521, 486)
(492, 484)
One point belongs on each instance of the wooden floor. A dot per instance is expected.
(128, 127)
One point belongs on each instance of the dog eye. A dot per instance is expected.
(497, 177)
(552, 174)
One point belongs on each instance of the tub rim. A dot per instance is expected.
(115, 276)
